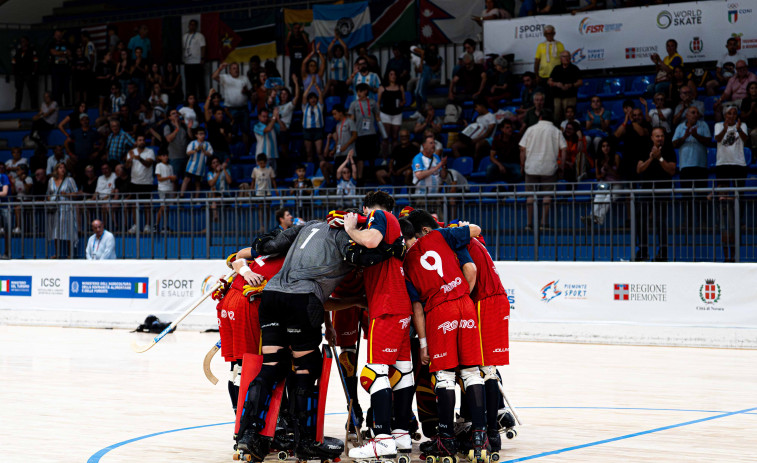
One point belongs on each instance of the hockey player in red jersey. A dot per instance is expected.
(387, 375)
(447, 326)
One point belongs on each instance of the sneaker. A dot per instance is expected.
(2, 231)
(382, 445)
(415, 115)
(529, 229)
(133, 229)
(17, 231)
(402, 440)
(148, 229)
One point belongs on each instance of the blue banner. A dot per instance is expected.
(109, 287)
(15, 285)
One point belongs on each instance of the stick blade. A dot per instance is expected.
(139, 349)
(206, 365)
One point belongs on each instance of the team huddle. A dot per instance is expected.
(427, 299)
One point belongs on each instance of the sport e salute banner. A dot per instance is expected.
(664, 294)
(629, 36)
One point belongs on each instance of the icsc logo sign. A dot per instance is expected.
(51, 286)
(14, 285)
(109, 287)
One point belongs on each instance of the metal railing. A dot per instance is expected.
(583, 222)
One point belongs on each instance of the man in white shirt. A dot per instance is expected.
(539, 148)
(106, 182)
(102, 244)
(58, 156)
(472, 141)
(426, 167)
(235, 90)
(726, 66)
(193, 48)
(141, 160)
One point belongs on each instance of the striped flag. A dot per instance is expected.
(394, 22)
(448, 21)
(254, 36)
(352, 20)
(5, 286)
(98, 35)
(140, 288)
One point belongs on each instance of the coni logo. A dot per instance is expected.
(664, 19)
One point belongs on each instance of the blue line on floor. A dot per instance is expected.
(628, 436)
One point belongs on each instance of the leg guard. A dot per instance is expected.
(403, 395)
(493, 396)
(258, 395)
(445, 400)
(474, 396)
(307, 369)
(375, 380)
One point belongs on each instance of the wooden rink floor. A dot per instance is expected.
(82, 395)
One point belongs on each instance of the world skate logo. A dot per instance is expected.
(447, 326)
(452, 285)
(405, 322)
(438, 356)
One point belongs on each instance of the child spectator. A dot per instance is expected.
(22, 186)
(198, 150)
(346, 171)
(364, 112)
(263, 177)
(166, 184)
(301, 184)
(266, 133)
(312, 121)
(219, 181)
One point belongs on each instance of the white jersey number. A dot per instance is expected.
(312, 233)
(436, 266)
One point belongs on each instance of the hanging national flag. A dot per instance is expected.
(394, 22)
(449, 21)
(257, 36)
(140, 288)
(304, 17)
(353, 21)
(98, 35)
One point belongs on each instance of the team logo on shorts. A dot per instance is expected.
(438, 356)
(451, 285)
(468, 323)
(389, 351)
(447, 326)
(405, 322)
(223, 314)
(500, 350)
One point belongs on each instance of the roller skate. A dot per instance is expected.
(463, 433)
(414, 426)
(495, 445)
(328, 451)
(380, 449)
(404, 445)
(506, 423)
(442, 448)
(283, 442)
(251, 446)
(478, 451)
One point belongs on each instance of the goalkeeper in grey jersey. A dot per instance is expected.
(291, 316)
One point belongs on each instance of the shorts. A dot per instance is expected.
(166, 194)
(285, 320)
(541, 182)
(389, 339)
(312, 134)
(238, 325)
(195, 179)
(390, 119)
(346, 323)
(493, 315)
(141, 190)
(367, 147)
(453, 335)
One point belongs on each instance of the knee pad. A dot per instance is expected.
(404, 369)
(471, 376)
(348, 360)
(489, 373)
(445, 380)
(311, 362)
(374, 377)
(282, 360)
(235, 375)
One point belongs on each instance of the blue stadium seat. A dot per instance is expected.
(588, 88)
(609, 88)
(463, 164)
(331, 102)
(349, 100)
(638, 86)
(480, 173)
(709, 106)
(748, 155)
(328, 124)
(712, 155)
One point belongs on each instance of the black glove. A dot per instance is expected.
(258, 242)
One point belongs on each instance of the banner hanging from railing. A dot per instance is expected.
(630, 36)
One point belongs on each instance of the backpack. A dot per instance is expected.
(452, 114)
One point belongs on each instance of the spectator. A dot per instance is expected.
(749, 112)
(286, 108)
(736, 90)
(658, 165)
(191, 111)
(500, 82)
(565, 80)
(22, 186)
(149, 122)
(123, 70)
(198, 151)
(362, 75)
(123, 183)
(547, 54)
(141, 161)
(45, 120)
(570, 116)
(540, 148)
(118, 143)
(39, 187)
(116, 100)
(133, 98)
(591, 5)
(428, 121)
(678, 82)
(297, 45)
(608, 173)
(691, 138)
(577, 163)
(473, 139)
(172, 84)
(88, 183)
(426, 167)
(346, 171)
(726, 66)
(63, 233)
(533, 115)
(505, 155)
(528, 91)
(235, 89)
(219, 131)
(687, 100)
(193, 46)
(154, 76)
(5, 213)
(454, 180)
(73, 120)
(344, 136)
(83, 144)
(469, 46)
(101, 244)
(491, 11)
(338, 67)
(468, 82)
(253, 72)
(38, 160)
(81, 77)
(25, 66)
(312, 122)
(106, 183)
(139, 71)
(105, 77)
(159, 101)
(113, 39)
(371, 59)
(263, 177)
(660, 116)
(665, 67)
(400, 168)
(219, 177)
(58, 157)
(15, 162)
(60, 68)
(90, 49)
(429, 69)
(266, 133)
(597, 124)
(301, 185)
(364, 112)
(141, 40)
(400, 64)
(166, 178)
(177, 135)
(313, 70)
(391, 100)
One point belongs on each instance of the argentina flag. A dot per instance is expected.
(353, 21)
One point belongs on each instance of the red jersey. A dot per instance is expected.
(351, 285)
(263, 265)
(432, 267)
(488, 282)
(384, 282)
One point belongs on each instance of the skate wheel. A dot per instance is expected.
(236, 457)
(511, 433)
(416, 436)
(282, 455)
(248, 458)
(448, 460)
(403, 459)
(430, 459)
(495, 456)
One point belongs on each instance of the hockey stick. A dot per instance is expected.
(206, 363)
(350, 402)
(139, 349)
(507, 402)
